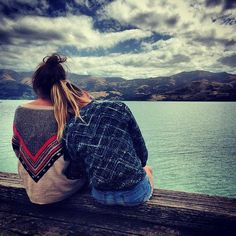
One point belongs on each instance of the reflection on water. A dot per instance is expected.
(192, 145)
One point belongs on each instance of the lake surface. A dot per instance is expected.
(192, 145)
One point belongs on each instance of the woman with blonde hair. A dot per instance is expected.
(106, 145)
(38, 128)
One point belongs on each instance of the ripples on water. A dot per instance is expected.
(192, 145)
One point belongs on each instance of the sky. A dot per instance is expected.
(124, 38)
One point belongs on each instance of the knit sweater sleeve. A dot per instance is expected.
(76, 168)
(15, 141)
(137, 138)
(15, 144)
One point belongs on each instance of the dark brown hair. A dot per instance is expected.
(49, 81)
(49, 72)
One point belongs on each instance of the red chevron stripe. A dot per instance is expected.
(48, 149)
(45, 152)
(47, 158)
(33, 157)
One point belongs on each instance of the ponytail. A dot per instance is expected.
(66, 99)
(49, 81)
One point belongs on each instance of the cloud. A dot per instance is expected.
(179, 58)
(24, 57)
(226, 4)
(14, 9)
(111, 25)
(228, 60)
(71, 30)
(210, 3)
(133, 39)
(25, 35)
(211, 40)
(91, 4)
(227, 19)
(131, 45)
(148, 15)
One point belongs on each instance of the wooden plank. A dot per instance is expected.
(195, 201)
(177, 212)
(10, 180)
(16, 215)
(31, 225)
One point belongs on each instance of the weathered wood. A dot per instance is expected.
(168, 213)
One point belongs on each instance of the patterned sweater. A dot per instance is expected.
(41, 163)
(108, 144)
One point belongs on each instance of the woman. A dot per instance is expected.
(105, 145)
(38, 128)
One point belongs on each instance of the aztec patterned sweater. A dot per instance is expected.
(41, 163)
(108, 144)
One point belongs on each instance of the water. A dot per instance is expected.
(192, 145)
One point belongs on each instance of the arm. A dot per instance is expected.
(15, 142)
(75, 169)
(137, 138)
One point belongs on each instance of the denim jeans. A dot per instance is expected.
(141, 193)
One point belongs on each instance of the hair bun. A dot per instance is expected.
(54, 59)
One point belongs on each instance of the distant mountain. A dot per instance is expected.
(14, 85)
(185, 86)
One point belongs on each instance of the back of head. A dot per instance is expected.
(48, 73)
(49, 82)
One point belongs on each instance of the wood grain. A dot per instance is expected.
(167, 213)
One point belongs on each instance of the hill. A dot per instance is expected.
(185, 86)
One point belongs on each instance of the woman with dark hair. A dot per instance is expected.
(103, 145)
(38, 128)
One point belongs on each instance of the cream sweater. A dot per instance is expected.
(41, 163)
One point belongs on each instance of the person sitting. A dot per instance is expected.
(107, 146)
(37, 131)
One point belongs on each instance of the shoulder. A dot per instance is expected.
(33, 110)
(100, 108)
(19, 111)
(27, 114)
(113, 105)
(117, 109)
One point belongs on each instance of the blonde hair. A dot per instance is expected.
(66, 99)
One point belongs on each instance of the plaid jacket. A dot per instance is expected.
(106, 146)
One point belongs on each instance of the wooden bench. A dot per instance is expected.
(168, 213)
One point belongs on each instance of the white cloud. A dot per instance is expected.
(194, 34)
(24, 58)
(75, 30)
(169, 57)
(46, 34)
(197, 40)
(168, 17)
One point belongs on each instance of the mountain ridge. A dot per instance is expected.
(196, 85)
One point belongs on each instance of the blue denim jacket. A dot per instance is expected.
(106, 145)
